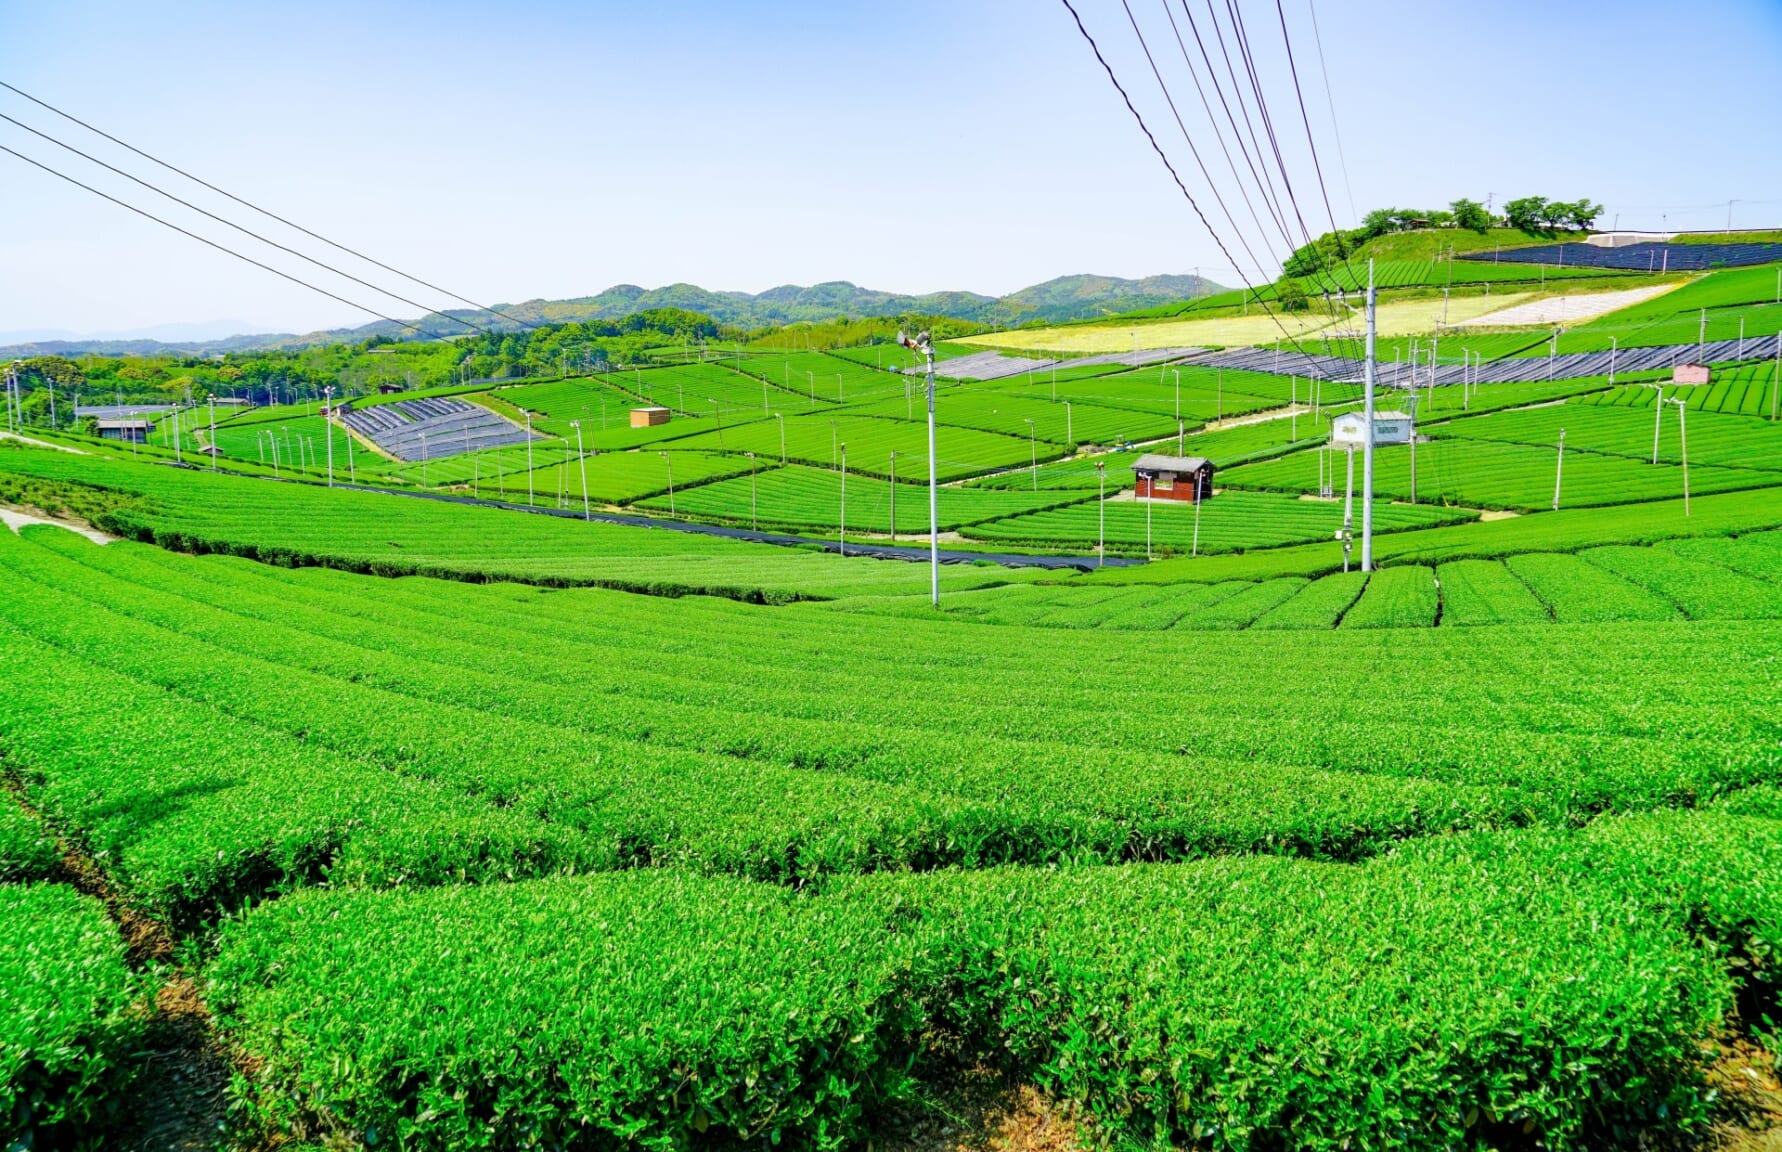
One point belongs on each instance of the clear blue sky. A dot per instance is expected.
(532, 150)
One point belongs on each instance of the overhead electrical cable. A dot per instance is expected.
(243, 230)
(1320, 274)
(1219, 136)
(211, 243)
(1114, 79)
(270, 214)
(1330, 101)
(1237, 91)
(1225, 106)
(1311, 142)
(1251, 161)
(1192, 149)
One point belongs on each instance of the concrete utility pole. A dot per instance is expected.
(212, 401)
(1367, 443)
(1559, 469)
(529, 481)
(893, 496)
(842, 522)
(925, 345)
(1101, 512)
(1683, 446)
(328, 429)
(754, 518)
(582, 460)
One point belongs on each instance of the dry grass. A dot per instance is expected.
(1404, 318)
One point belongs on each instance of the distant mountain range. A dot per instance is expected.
(1065, 298)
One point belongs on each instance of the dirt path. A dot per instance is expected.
(16, 520)
(179, 1100)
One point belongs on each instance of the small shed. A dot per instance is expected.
(230, 402)
(135, 431)
(649, 417)
(1389, 428)
(1158, 477)
(1691, 374)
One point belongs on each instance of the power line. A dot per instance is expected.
(1192, 149)
(1311, 142)
(1206, 106)
(1242, 36)
(1174, 175)
(269, 214)
(1263, 185)
(239, 228)
(1330, 101)
(211, 243)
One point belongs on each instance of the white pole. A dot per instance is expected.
(893, 494)
(1558, 469)
(1070, 436)
(1150, 488)
(1611, 361)
(328, 430)
(754, 507)
(1367, 432)
(842, 524)
(211, 400)
(1101, 510)
(582, 460)
(1657, 418)
(1195, 549)
(1683, 447)
(1033, 452)
(1349, 510)
(529, 481)
(933, 486)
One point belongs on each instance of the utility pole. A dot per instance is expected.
(925, 345)
(529, 480)
(212, 401)
(842, 523)
(893, 495)
(582, 460)
(669, 464)
(754, 518)
(1101, 512)
(1033, 451)
(1558, 469)
(1683, 445)
(328, 429)
(1194, 549)
(1367, 421)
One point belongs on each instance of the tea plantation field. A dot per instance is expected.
(465, 827)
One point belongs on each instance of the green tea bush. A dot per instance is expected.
(1576, 591)
(1485, 592)
(1404, 597)
(1235, 612)
(71, 1017)
(1320, 604)
(1702, 590)
(26, 850)
(652, 1010)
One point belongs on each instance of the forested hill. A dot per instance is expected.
(1065, 298)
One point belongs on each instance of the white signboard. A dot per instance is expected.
(1389, 428)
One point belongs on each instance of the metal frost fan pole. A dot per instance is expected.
(924, 344)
